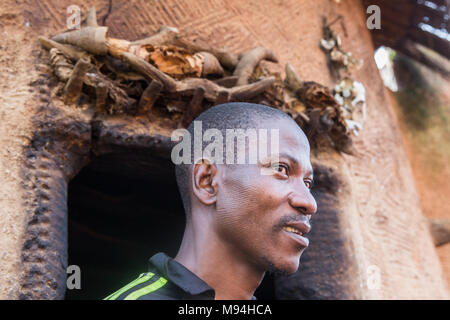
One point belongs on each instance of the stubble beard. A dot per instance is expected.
(274, 270)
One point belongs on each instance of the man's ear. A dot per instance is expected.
(204, 176)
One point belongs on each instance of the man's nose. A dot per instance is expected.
(303, 201)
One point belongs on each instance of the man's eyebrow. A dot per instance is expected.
(288, 156)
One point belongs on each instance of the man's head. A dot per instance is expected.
(255, 210)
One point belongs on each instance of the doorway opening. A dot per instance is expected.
(122, 209)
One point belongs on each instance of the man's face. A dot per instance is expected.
(260, 215)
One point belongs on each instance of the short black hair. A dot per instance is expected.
(232, 115)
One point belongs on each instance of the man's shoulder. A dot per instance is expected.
(148, 286)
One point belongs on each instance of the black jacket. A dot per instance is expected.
(166, 279)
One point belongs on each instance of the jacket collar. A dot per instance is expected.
(180, 275)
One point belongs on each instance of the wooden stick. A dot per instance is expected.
(249, 61)
(62, 67)
(75, 82)
(149, 71)
(149, 97)
(164, 36)
(222, 97)
(227, 82)
(71, 52)
(188, 86)
(170, 36)
(249, 91)
(195, 106)
(101, 92)
(122, 103)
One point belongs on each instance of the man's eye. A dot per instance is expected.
(281, 168)
(309, 184)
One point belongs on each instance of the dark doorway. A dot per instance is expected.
(123, 208)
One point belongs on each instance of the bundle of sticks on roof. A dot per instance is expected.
(167, 72)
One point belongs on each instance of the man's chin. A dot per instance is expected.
(282, 267)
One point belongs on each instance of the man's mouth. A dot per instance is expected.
(296, 232)
(293, 230)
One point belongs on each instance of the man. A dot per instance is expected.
(242, 220)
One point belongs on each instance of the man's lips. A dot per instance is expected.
(301, 226)
(296, 229)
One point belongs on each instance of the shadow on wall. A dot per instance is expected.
(423, 108)
(418, 93)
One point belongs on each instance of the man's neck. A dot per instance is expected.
(229, 273)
